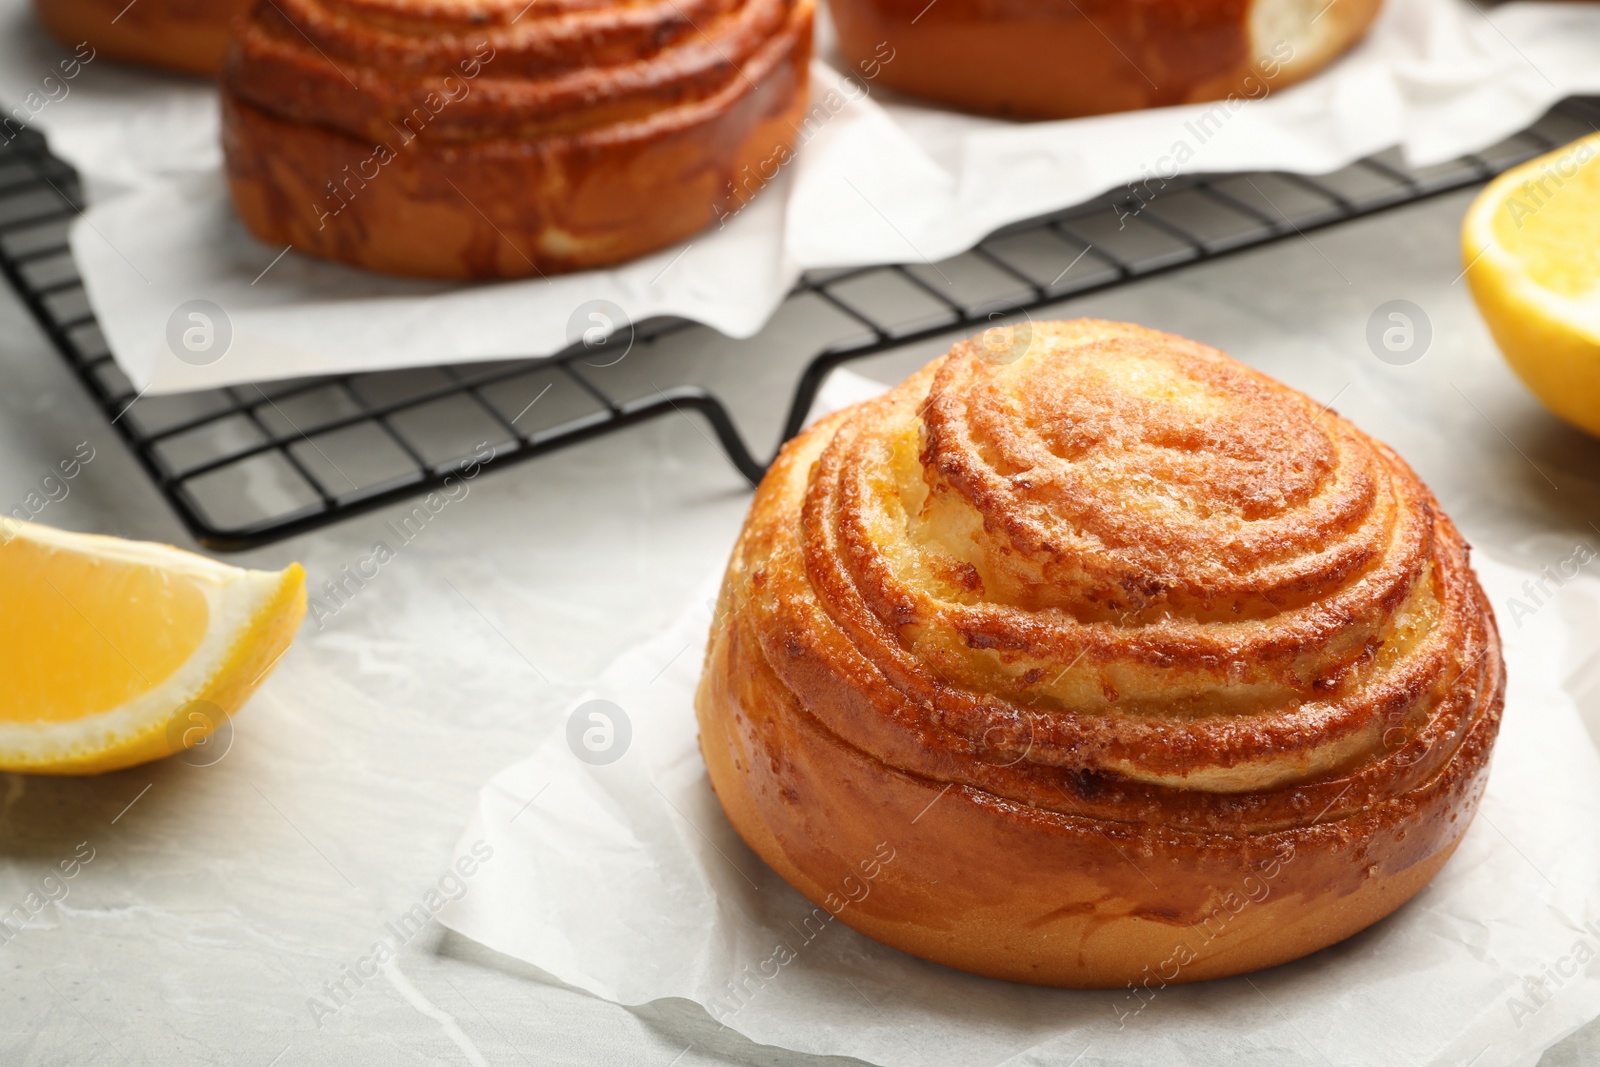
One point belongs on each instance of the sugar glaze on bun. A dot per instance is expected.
(1149, 668)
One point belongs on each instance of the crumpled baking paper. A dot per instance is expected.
(879, 179)
(626, 880)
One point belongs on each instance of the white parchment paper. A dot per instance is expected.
(880, 179)
(627, 881)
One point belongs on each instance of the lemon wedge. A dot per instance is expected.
(1531, 242)
(117, 652)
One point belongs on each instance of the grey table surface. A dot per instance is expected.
(225, 896)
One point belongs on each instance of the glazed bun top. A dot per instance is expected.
(1109, 571)
(457, 70)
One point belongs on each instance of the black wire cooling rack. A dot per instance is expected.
(247, 465)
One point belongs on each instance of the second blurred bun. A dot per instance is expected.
(1065, 58)
(190, 36)
(499, 138)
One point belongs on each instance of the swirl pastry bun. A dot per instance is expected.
(1065, 58)
(1145, 668)
(501, 138)
(189, 36)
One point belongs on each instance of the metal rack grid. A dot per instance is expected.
(241, 469)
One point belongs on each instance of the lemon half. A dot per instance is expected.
(1531, 242)
(117, 652)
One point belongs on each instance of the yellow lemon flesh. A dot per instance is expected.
(1531, 242)
(118, 652)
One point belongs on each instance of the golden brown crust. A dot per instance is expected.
(183, 35)
(1140, 623)
(1066, 58)
(493, 139)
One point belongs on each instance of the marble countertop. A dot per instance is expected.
(221, 899)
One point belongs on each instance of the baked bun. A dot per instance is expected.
(1064, 58)
(183, 35)
(499, 138)
(1138, 666)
